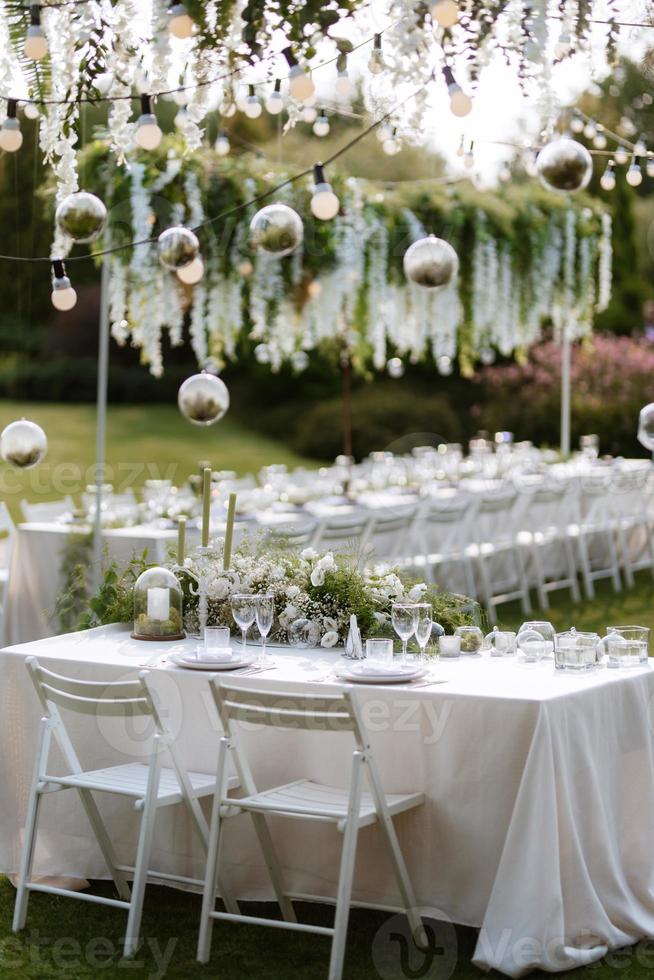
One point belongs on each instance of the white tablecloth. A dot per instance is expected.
(34, 576)
(539, 784)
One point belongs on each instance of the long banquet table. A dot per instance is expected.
(539, 791)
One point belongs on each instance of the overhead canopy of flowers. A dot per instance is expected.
(526, 258)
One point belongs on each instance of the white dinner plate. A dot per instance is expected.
(190, 661)
(399, 676)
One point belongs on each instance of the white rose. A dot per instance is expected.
(329, 623)
(309, 554)
(417, 592)
(330, 639)
(317, 576)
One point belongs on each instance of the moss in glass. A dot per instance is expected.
(157, 606)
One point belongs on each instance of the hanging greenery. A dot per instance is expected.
(526, 258)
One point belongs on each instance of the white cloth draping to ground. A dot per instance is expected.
(539, 792)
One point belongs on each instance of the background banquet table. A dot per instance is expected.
(539, 791)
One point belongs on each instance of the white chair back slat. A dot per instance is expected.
(49, 510)
(283, 710)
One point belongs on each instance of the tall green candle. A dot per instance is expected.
(206, 505)
(181, 540)
(229, 531)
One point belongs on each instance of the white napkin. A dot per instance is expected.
(221, 656)
(375, 667)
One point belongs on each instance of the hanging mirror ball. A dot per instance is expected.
(646, 427)
(177, 247)
(564, 165)
(203, 399)
(430, 262)
(395, 367)
(304, 633)
(81, 216)
(276, 229)
(23, 444)
(299, 360)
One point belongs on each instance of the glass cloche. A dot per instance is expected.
(157, 606)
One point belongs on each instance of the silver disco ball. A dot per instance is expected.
(430, 262)
(177, 247)
(203, 399)
(276, 229)
(23, 444)
(81, 216)
(564, 165)
(646, 427)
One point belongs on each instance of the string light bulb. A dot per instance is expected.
(275, 100)
(222, 145)
(376, 64)
(621, 156)
(63, 295)
(634, 174)
(445, 13)
(649, 167)
(324, 203)
(180, 23)
(252, 106)
(343, 82)
(192, 273)
(607, 180)
(590, 130)
(11, 138)
(384, 132)
(36, 44)
(460, 103)
(309, 114)
(391, 146)
(148, 133)
(640, 149)
(31, 110)
(599, 141)
(563, 45)
(300, 83)
(577, 124)
(321, 126)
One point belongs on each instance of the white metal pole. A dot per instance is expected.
(566, 357)
(101, 419)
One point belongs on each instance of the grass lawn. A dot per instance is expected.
(143, 441)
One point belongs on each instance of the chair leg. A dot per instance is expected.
(348, 857)
(273, 865)
(485, 589)
(584, 561)
(27, 856)
(213, 854)
(525, 599)
(540, 579)
(613, 557)
(108, 853)
(572, 569)
(143, 852)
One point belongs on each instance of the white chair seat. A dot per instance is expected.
(132, 780)
(306, 798)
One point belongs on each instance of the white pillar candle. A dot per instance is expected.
(158, 604)
(449, 646)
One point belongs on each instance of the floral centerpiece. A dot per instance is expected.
(323, 588)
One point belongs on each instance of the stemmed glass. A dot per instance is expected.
(265, 611)
(423, 626)
(244, 612)
(404, 617)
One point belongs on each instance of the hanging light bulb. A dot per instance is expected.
(191, 273)
(649, 167)
(384, 132)
(180, 24)
(181, 118)
(31, 110)
(590, 129)
(343, 81)
(11, 138)
(324, 203)
(607, 180)
(222, 145)
(563, 46)
(469, 157)
(461, 148)
(640, 149)
(275, 101)
(376, 63)
(180, 97)
(599, 142)
(445, 12)
(148, 133)
(300, 83)
(321, 126)
(621, 156)
(36, 44)
(63, 295)
(391, 146)
(634, 174)
(460, 103)
(252, 104)
(103, 82)
(241, 99)
(309, 114)
(577, 124)
(227, 109)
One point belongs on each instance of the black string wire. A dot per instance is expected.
(240, 207)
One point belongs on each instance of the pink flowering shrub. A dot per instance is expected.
(612, 378)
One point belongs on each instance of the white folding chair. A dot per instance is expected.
(150, 785)
(443, 539)
(390, 535)
(349, 809)
(290, 535)
(543, 533)
(592, 530)
(631, 491)
(49, 510)
(348, 532)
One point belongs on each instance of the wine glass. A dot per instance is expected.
(244, 613)
(265, 611)
(423, 626)
(404, 617)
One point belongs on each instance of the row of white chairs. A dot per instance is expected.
(152, 786)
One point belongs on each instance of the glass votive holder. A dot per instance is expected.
(449, 646)
(379, 650)
(471, 637)
(216, 640)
